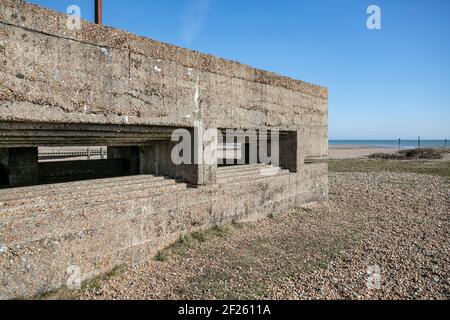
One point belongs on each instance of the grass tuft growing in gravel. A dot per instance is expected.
(162, 256)
(189, 241)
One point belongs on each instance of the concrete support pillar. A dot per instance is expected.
(129, 154)
(148, 159)
(156, 158)
(19, 166)
(301, 149)
(206, 147)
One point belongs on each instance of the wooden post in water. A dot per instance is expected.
(399, 144)
(445, 144)
(418, 142)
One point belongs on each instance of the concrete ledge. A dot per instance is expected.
(33, 17)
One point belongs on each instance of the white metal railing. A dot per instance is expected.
(88, 153)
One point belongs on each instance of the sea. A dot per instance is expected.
(404, 144)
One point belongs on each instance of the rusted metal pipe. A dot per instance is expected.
(98, 12)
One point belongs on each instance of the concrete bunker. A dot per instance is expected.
(100, 86)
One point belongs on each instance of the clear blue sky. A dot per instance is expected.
(383, 84)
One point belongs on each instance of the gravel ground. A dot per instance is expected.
(394, 223)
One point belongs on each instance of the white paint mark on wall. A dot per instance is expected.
(189, 71)
(126, 119)
(157, 69)
(197, 94)
(85, 109)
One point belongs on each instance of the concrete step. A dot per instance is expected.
(240, 167)
(69, 188)
(6, 193)
(257, 170)
(94, 200)
(99, 190)
(251, 176)
(241, 175)
(167, 195)
(250, 179)
(237, 176)
(235, 182)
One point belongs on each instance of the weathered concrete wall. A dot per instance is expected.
(101, 75)
(98, 225)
